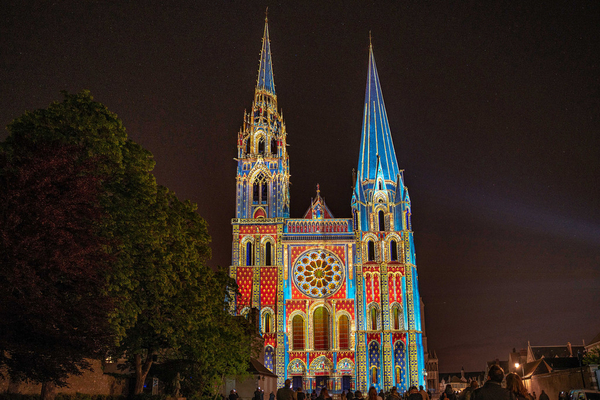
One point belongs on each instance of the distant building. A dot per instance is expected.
(461, 380)
(553, 368)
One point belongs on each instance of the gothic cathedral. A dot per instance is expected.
(338, 298)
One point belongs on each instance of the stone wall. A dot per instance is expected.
(565, 380)
(90, 382)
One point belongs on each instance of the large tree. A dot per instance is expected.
(53, 263)
(167, 300)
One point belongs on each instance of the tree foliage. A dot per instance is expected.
(167, 301)
(53, 264)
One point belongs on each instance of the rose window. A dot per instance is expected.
(318, 273)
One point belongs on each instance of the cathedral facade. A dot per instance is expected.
(338, 298)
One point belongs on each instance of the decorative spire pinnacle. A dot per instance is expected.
(265, 68)
(376, 141)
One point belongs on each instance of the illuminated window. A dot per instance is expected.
(381, 221)
(273, 146)
(260, 189)
(344, 333)
(393, 251)
(268, 322)
(398, 375)
(268, 253)
(397, 318)
(373, 318)
(370, 251)
(261, 146)
(321, 326)
(248, 146)
(249, 253)
(298, 332)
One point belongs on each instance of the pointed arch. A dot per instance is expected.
(381, 218)
(321, 329)
(298, 332)
(370, 250)
(343, 327)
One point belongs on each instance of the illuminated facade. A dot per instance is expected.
(338, 297)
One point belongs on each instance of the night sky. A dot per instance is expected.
(494, 109)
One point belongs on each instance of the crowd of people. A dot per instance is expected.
(491, 390)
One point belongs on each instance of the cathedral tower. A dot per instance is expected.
(390, 350)
(263, 170)
(338, 298)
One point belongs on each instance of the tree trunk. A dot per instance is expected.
(141, 371)
(48, 392)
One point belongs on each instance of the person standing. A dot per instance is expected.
(286, 392)
(413, 394)
(492, 389)
(468, 392)
(448, 393)
(373, 394)
(423, 393)
(300, 395)
(544, 396)
(324, 395)
(272, 396)
(515, 385)
(350, 395)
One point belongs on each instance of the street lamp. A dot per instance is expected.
(522, 369)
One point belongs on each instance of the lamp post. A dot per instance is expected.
(522, 369)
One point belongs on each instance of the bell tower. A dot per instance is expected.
(263, 168)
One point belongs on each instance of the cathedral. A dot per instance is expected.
(337, 298)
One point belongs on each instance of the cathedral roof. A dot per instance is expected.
(265, 68)
(318, 209)
(376, 135)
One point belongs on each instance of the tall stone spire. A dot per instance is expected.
(263, 168)
(265, 68)
(376, 141)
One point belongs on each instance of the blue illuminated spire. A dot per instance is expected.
(376, 135)
(265, 69)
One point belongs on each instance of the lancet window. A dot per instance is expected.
(393, 251)
(274, 147)
(381, 220)
(397, 317)
(344, 333)
(298, 332)
(261, 146)
(370, 250)
(249, 253)
(260, 189)
(321, 328)
(268, 253)
(267, 322)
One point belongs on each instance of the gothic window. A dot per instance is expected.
(268, 253)
(260, 189)
(381, 221)
(370, 250)
(373, 375)
(393, 251)
(379, 186)
(261, 146)
(249, 253)
(344, 333)
(321, 326)
(298, 332)
(248, 146)
(274, 146)
(267, 322)
(373, 318)
(397, 318)
(398, 375)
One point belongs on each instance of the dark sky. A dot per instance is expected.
(493, 106)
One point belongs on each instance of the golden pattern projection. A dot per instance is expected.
(318, 273)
